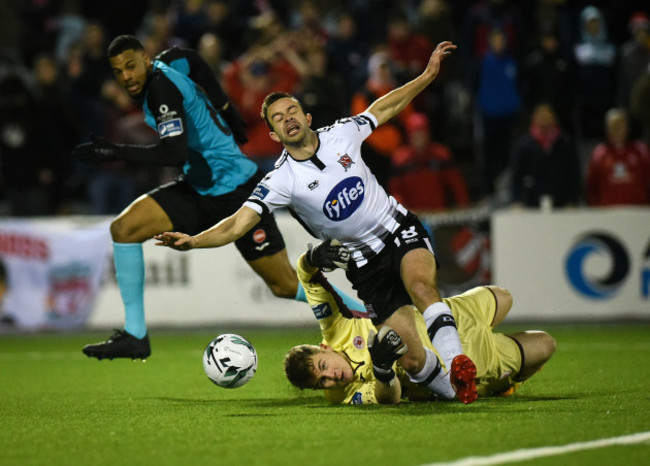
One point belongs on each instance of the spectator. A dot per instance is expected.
(409, 50)
(448, 103)
(557, 16)
(260, 29)
(596, 67)
(38, 27)
(60, 133)
(320, 90)
(210, 48)
(481, 19)
(634, 57)
(158, 33)
(424, 177)
(386, 139)
(309, 22)
(372, 19)
(88, 71)
(25, 160)
(640, 104)
(189, 20)
(348, 53)
(11, 32)
(248, 80)
(619, 169)
(498, 105)
(547, 76)
(545, 162)
(221, 22)
(435, 22)
(247, 13)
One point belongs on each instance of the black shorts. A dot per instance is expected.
(192, 213)
(379, 282)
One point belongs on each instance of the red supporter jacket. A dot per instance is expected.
(427, 181)
(619, 177)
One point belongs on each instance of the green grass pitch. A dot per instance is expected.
(58, 407)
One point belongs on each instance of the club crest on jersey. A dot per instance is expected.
(345, 161)
(344, 199)
(359, 342)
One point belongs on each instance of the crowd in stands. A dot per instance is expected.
(543, 98)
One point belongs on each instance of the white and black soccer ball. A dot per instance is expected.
(230, 360)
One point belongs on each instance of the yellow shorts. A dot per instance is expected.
(497, 356)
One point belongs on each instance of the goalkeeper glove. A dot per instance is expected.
(385, 348)
(98, 150)
(328, 255)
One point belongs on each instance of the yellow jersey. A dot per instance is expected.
(496, 356)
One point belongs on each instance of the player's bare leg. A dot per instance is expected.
(277, 273)
(140, 221)
(537, 348)
(137, 223)
(504, 304)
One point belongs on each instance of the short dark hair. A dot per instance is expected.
(299, 367)
(270, 99)
(122, 44)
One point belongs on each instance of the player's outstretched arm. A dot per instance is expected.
(391, 104)
(225, 232)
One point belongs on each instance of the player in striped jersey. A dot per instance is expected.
(324, 182)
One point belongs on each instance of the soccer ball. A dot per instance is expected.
(230, 360)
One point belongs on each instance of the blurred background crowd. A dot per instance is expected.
(544, 99)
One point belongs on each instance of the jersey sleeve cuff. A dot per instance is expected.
(258, 206)
(371, 119)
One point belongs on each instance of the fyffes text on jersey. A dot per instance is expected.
(344, 199)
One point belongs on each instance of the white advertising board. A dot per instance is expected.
(211, 287)
(574, 265)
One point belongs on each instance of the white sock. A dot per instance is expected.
(441, 327)
(434, 377)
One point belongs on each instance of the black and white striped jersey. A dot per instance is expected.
(333, 194)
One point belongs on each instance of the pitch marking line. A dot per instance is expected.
(533, 453)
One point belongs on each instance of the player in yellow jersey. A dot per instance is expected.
(342, 364)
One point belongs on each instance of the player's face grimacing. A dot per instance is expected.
(331, 369)
(290, 124)
(131, 69)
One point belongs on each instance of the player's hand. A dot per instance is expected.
(97, 150)
(328, 255)
(442, 50)
(385, 348)
(175, 240)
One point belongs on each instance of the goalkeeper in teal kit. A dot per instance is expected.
(199, 130)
